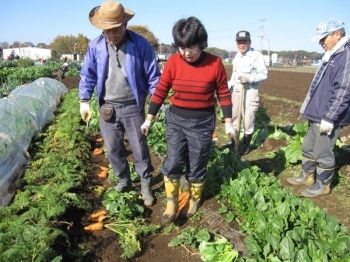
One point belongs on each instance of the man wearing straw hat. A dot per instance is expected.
(122, 66)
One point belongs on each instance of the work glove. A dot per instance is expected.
(145, 127)
(244, 79)
(164, 107)
(85, 111)
(326, 127)
(229, 130)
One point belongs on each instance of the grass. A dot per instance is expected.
(299, 69)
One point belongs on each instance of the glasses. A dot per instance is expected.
(192, 49)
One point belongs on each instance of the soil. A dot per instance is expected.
(281, 94)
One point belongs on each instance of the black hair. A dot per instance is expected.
(189, 32)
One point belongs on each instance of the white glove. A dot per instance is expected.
(326, 127)
(229, 130)
(244, 79)
(145, 127)
(85, 111)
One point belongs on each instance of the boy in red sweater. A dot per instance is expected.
(195, 76)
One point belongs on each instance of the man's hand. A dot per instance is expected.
(85, 111)
(244, 79)
(326, 127)
(229, 130)
(145, 127)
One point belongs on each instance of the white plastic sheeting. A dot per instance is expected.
(23, 114)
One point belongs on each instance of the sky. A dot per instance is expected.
(273, 25)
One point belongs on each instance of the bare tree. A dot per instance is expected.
(16, 44)
(4, 45)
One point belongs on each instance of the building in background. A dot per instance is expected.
(72, 57)
(33, 53)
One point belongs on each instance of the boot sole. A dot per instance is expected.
(308, 194)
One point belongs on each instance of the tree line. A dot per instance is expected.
(70, 44)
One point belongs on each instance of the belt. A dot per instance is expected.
(126, 103)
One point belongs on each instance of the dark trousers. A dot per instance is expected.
(188, 142)
(319, 147)
(126, 120)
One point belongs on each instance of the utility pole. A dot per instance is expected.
(262, 32)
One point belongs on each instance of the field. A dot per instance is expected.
(281, 94)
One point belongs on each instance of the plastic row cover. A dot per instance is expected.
(23, 114)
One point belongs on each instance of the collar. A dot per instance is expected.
(199, 60)
(328, 54)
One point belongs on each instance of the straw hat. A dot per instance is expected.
(110, 14)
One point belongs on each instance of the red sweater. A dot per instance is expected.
(194, 85)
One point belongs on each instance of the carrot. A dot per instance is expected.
(98, 151)
(182, 195)
(183, 199)
(103, 174)
(94, 226)
(99, 218)
(99, 139)
(103, 168)
(98, 213)
(215, 135)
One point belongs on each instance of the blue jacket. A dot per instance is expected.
(329, 94)
(140, 65)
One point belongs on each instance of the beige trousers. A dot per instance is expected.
(250, 106)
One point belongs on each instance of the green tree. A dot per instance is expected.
(168, 49)
(82, 43)
(68, 45)
(218, 52)
(146, 33)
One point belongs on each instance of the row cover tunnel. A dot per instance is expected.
(23, 114)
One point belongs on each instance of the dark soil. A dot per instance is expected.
(288, 90)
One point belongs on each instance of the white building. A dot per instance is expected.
(267, 60)
(33, 53)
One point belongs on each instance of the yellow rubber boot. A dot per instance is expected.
(193, 204)
(323, 183)
(307, 173)
(172, 194)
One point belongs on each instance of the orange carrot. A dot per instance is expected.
(99, 139)
(94, 226)
(183, 199)
(98, 213)
(103, 168)
(103, 174)
(98, 151)
(215, 135)
(101, 218)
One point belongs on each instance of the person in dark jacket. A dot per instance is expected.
(120, 65)
(326, 107)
